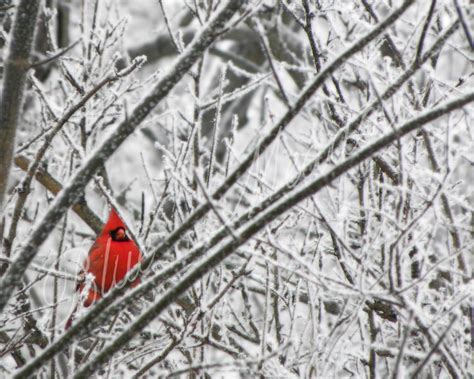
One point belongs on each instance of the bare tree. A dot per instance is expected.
(297, 175)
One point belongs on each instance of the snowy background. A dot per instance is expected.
(369, 275)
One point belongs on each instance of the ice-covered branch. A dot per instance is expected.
(54, 186)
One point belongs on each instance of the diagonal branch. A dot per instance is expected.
(277, 210)
(52, 185)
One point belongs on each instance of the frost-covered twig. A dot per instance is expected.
(235, 94)
(168, 27)
(239, 364)
(393, 47)
(452, 364)
(465, 25)
(308, 28)
(44, 270)
(426, 24)
(55, 56)
(213, 205)
(266, 48)
(217, 120)
(167, 350)
(54, 186)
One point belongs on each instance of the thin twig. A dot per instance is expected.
(55, 56)
(464, 24)
(217, 120)
(426, 24)
(433, 349)
(54, 186)
(268, 54)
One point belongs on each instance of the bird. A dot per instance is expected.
(110, 258)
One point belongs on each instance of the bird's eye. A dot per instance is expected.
(119, 234)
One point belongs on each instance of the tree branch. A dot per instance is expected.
(52, 185)
(16, 66)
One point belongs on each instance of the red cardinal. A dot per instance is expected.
(110, 258)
